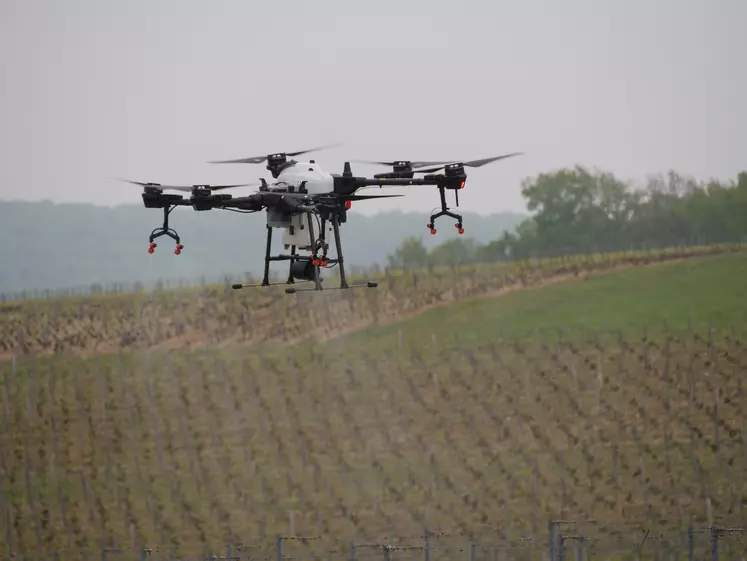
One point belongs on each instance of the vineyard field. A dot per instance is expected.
(213, 315)
(478, 417)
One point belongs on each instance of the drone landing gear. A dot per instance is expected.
(368, 284)
(322, 260)
(164, 230)
(293, 257)
(446, 212)
(305, 268)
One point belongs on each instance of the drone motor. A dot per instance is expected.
(276, 163)
(401, 169)
(453, 170)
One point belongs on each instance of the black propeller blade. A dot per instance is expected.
(260, 159)
(471, 163)
(185, 188)
(395, 162)
(410, 165)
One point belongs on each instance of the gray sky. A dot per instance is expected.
(151, 90)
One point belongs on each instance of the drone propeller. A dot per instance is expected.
(185, 188)
(408, 166)
(471, 163)
(395, 162)
(260, 159)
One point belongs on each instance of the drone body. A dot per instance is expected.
(307, 202)
(299, 177)
(305, 175)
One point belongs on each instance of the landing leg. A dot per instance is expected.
(321, 243)
(445, 212)
(320, 247)
(338, 248)
(266, 278)
(317, 282)
(165, 231)
(293, 260)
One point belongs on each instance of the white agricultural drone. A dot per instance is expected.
(302, 195)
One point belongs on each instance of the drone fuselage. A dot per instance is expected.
(302, 176)
(299, 177)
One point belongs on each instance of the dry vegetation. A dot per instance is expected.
(194, 450)
(196, 318)
(216, 447)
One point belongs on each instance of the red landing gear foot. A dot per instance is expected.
(459, 228)
(151, 247)
(178, 249)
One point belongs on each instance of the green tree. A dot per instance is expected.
(457, 251)
(501, 249)
(412, 253)
(577, 210)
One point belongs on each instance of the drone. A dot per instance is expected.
(304, 201)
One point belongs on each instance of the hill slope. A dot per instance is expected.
(362, 438)
(681, 295)
(216, 314)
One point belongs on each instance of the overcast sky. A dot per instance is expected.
(152, 89)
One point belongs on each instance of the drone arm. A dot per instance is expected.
(158, 199)
(348, 185)
(257, 201)
(252, 202)
(443, 182)
(166, 202)
(438, 180)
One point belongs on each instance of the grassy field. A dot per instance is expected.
(472, 418)
(699, 294)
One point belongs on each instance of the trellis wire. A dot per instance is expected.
(688, 544)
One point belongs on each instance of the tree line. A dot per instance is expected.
(580, 210)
